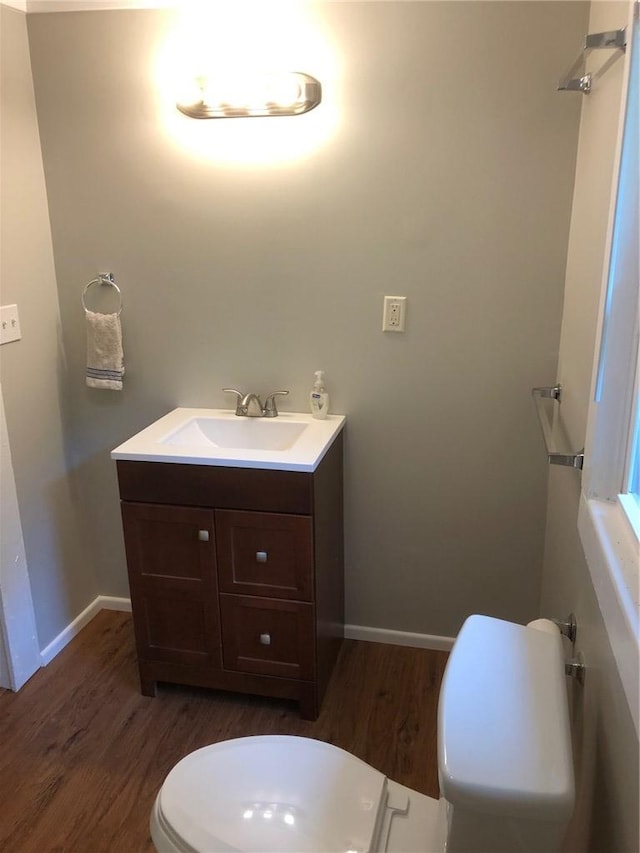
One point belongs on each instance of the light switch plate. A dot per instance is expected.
(9, 324)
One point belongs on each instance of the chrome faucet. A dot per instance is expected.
(250, 405)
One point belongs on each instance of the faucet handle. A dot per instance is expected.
(270, 409)
(239, 396)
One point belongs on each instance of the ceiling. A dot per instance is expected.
(34, 6)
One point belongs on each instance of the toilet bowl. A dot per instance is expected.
(282, 793)
(504, 761)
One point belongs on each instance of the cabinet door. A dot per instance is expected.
(266, 554)
(172, 575)
(268, 636)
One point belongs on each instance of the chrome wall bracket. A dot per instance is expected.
(568, 628)
(613, 39)
(551, 392)
(555, 456)
(576, 668)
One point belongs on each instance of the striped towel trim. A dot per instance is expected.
(103, 373)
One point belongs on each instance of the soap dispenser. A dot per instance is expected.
(319, 399)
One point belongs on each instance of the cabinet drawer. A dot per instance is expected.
(268, 637)
(265, 554)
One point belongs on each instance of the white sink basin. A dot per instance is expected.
(239, 433)
(289, 442)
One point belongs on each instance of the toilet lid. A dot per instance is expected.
(274, 794)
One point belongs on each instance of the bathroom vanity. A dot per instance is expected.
(236, 572)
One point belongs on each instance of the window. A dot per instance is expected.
(613, 470)
(630, 494)
(634, 474)
(622, 296)
(609, 518)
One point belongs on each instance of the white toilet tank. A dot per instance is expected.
(504, 747)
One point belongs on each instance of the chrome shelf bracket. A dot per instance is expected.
(555, 457)
(611, 40)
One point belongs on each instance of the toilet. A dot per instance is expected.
(504, 762)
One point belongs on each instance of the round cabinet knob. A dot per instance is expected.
(261, 556)
(203, 535)
(265, 639)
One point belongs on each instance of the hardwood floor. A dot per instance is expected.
(83, 753)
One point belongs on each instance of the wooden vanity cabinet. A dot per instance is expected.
(236, 575)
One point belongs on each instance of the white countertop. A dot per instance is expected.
(159, 443)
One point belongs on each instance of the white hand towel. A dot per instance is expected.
(105, 359)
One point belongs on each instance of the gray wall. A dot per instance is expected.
(448, 179)
(33, 369)
(605, 740)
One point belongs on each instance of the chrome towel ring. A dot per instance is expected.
(103, 278)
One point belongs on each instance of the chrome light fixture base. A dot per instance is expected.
(280, 95)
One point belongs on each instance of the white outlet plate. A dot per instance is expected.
(9, 324)
(394, 313)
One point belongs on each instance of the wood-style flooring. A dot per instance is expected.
(83, 753)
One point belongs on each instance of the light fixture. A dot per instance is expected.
(288, 94)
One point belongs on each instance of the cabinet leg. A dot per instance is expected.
(308, 703)
(148, 686)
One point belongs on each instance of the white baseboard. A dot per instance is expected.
(110, 602)
(102, 602)
(398, 638)
(351, 632)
